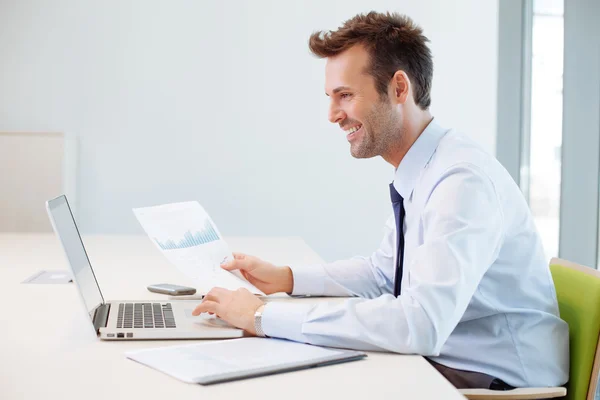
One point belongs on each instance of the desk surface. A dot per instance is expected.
(49, 349)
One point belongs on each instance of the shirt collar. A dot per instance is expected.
(416, 158)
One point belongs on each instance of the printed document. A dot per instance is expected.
(190, 240)
(211, 362)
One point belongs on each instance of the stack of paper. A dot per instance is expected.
(212, 362)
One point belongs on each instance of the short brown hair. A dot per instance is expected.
(394, 42)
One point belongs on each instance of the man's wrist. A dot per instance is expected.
(288, 279)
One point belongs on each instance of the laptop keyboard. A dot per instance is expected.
(145, 315)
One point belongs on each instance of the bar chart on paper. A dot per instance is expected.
(187, 236)
(181, 226)
(191, 239)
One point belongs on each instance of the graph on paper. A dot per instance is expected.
(187, 236)
(191, 239)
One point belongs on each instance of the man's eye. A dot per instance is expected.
(345, 95)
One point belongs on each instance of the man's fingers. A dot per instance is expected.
(245, 275)
(207, 306)
(231, 265)
(253, 280)
(216, 293)
(209, 297)
(240, 261)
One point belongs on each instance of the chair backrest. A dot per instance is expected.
(32, 172)
(578, 293)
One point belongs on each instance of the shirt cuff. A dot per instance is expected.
(309, 280)
(284, 320)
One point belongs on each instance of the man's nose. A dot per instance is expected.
(336, 115)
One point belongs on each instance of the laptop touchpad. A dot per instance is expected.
(206, 319)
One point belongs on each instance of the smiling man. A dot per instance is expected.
(460, 276)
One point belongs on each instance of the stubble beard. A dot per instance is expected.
(382, 133)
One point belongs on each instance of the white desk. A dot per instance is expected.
(48, 349)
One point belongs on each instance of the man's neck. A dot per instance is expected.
(412, 130)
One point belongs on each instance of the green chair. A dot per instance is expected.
(578, 293)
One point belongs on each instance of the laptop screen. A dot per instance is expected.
(64, 226)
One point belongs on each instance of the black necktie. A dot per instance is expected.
(398, 204)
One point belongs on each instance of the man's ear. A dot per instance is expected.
(400, 87)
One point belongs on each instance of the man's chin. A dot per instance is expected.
(360, 152)
(361, 155)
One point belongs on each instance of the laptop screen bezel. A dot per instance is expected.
(50, 206)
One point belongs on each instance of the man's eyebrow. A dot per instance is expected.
(338, 89)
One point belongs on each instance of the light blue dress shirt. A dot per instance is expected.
(477, 293)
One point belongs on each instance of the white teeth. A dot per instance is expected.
(352, 130)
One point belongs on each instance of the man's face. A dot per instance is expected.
(372, 124)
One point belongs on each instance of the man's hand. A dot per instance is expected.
(262, 274)
(236, 307)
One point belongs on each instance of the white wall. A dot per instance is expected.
(222, 102)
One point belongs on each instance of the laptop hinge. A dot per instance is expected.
(101, 316)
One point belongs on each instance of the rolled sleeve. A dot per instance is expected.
(284, 320)
(309, 280)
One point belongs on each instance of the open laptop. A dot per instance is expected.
(128, 320)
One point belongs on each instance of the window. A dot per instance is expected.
(543, 175)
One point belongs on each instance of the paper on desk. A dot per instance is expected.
(188, 237)
(50, 277)
(191, 363)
